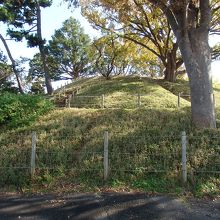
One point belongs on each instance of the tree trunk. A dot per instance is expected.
(75, 74)
(170, 68)
(197, 58)
(43, 54)
(190, 22)
(171, 64)
(20, 87)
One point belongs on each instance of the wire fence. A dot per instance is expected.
(144, 153)
(203, 159)
(129, 101)
(120, 101)
(115, 155)
(84, 160)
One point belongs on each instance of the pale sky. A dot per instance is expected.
(53, 17)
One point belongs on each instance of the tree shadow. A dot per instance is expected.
(103, 206)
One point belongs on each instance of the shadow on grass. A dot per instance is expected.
(141, 142)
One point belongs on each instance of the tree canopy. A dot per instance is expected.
(24, 21)
(70, 48)
(140, 27)
(191, 22)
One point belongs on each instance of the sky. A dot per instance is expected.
(52, 19)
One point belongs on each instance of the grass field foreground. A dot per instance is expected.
(70, 142)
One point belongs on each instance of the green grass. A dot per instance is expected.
(121, 92)
(70, 141)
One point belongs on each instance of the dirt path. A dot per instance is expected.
(105, 206)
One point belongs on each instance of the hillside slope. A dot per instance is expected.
(119, 92)
(144, 139)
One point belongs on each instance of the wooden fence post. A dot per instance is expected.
(73, 97)
(69, 101)
(103, 101)
(184, 167)
(66, 102)
(138, 100)
(178, 102)
(33, 153)
(105, 162)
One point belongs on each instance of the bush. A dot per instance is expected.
(20, 110)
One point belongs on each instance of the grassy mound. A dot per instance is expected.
(120, 92)
(144, 142)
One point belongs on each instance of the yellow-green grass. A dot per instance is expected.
(182, 86)
(138, 137)
(122, 92)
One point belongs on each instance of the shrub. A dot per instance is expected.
(20, 110)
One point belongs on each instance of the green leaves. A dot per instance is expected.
(4, 15)
(20, 110)
(17, 35)
(70, 47)
(45, 3)
(34, 41)
(67, 54)
(22, 16)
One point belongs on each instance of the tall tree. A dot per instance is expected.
(13, 64)
(42, 47)
(116, 56)
(25, 21)
(36, 70)
(190, 21)
(140, 26)
(70, 50)
(106, 54)
(7, 16)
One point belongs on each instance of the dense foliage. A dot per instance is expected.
(190, 22)
(24, 21)
(69, 49)
(19, 110)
